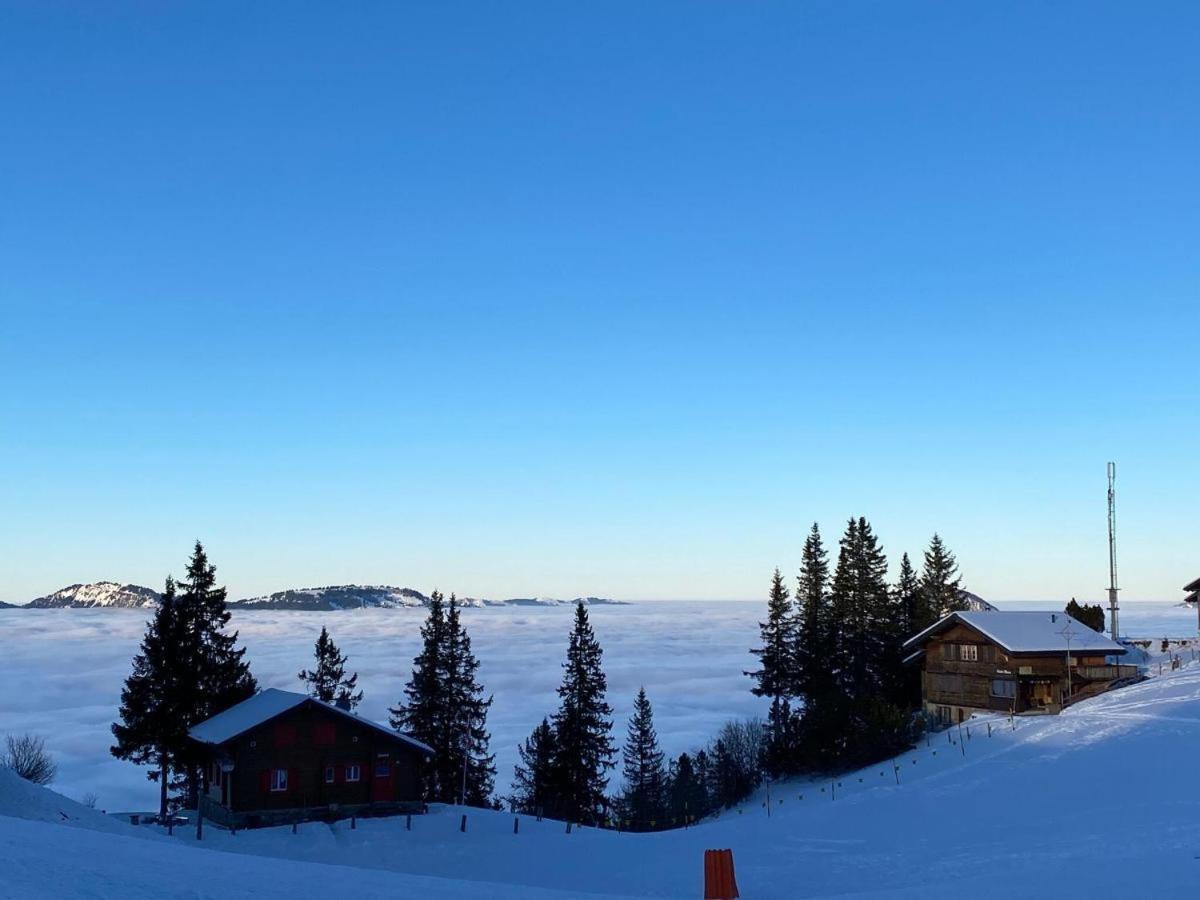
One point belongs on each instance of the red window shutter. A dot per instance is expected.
(324, 734)
(264, 781)
(292, 783)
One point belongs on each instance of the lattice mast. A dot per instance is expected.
(1112, 550)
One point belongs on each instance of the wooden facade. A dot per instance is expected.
(964, 671)
(310, 761)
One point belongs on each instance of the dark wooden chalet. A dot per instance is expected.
(283, 757)
(1011, 662)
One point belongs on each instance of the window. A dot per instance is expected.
(1002, 687)
(324, 734)
(944, 715)
(382, 770)
(353, 773)
(968, 653)
(949, 652)
(330, 773)
(279, 780)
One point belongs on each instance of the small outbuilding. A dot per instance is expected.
(283, 757)
(1014, 662)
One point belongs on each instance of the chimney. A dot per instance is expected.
(1053, 617)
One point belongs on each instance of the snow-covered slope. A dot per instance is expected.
(343, 596)
(100, 593)
(355, 596)
(1100, 801)
(22, 800)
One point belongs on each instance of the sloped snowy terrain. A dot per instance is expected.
(98, 594)
(1100, 801)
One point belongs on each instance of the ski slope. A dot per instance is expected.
(1102, 799)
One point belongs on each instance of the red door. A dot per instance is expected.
(382, 778)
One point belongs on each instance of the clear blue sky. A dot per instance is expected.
(597, 298)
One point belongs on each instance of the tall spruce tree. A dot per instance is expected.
(643, 801)
(420, 715)
(152, 729)
(941, 583)
(328, 681)
(465, 714)
(214, 674)
(909, 600)
(813, 630)
(687, 794)
(582, 729)
(772, 678)
(533, 776)
(860, 604)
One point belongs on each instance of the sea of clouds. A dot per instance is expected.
(61, 671)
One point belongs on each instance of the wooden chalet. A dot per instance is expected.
(1011, 662)
(283, 757)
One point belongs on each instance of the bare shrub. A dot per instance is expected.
(89, 800)
(26, 755)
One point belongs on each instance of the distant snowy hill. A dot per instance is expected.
(343, 596)
(101, 593)
(355, 596)
(333, 597)
(4, 605)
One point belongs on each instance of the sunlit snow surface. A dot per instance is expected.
(62, 670)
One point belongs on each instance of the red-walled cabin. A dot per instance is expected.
(283, 757)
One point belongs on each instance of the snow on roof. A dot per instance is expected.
(267, 705)
(1027, 632)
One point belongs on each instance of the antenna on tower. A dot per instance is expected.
(1112, 549)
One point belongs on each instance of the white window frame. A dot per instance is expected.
(353, 773)
(330, 774)
(279, 781)
(968, 652)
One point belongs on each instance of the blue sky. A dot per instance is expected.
(597, 298)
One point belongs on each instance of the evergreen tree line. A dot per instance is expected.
(564, 763)
(830, 659)
(1090, 614)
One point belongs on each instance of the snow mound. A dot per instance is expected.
(20, 799)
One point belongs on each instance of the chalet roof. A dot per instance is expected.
(1024, 632)
(266, 705)
(1192, 585)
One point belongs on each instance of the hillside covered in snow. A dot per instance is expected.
(98, 594)
(1099, 801)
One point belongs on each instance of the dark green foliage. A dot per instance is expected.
(911, 608)
(187, 670)
(582, 726)
(776, 655)
(533, 777)
(940, 584)
(151, 729)
(814, 631)
(445, 708)
(222, 676)
(328, 681)
(642, 805)
(782, 749)
(1091, 615)
(687, 792)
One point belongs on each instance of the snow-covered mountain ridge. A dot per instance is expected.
(333, 597)
(101, 593)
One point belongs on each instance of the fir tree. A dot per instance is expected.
(533, 776)
(328, 681)
(775, 655)
(582, 725)
(465, 713)
(152, 729)
(910, 600)
(940, 583)
(687, 798)
(813, 631)
(642, 803)
(1090, 615)
(424, 696)
(213, 672)
(782, 753)
(860, 605)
